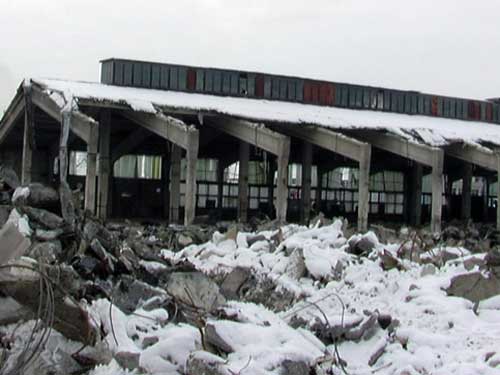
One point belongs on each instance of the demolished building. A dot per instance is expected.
(161, 140)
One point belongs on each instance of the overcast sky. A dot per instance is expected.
(448, 47)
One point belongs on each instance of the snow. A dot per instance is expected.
(417, 128)
(431, 333)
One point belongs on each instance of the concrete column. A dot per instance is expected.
(220, 186)
(466, 191)
(104, 199)
(486, 192)
(63, 147)
(165, 181)
(282, 187)
(28, 137)
(307, 155)
(244, 154)
(498, 191)
(91, 176)
(364, 188)
(437, 190)
(175, 183)
(191, 191)
(415, 195)
(270, 185)
(319, 188)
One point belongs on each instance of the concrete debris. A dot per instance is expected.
(474, 286)
(12, 243)
(9, 177)
(196, 290)
(239, 298)
(205, 363)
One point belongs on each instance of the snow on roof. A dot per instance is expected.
(423, 129)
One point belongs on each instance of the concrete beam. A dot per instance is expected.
(479, 156)
(15, 110)
(133, 140)
(167, 127)
(348, 147)
(420, 153)
(255, 134)
(79, 121)
(267, 140)
(328, 139)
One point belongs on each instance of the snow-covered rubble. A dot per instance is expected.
(297, 300)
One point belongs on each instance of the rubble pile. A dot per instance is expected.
(80, 296)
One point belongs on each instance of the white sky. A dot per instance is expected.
(448, 47)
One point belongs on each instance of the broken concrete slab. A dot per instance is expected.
(233, 281)
(43, 217)
(195, 289)
(12, 243)
(22, 282)
(36, 195)
(13, 312)
(46, 252)
(205, 363)
(474, 286)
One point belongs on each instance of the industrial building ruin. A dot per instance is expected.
(170, 142)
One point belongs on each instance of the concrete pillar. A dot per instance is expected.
(364, 188)
(486, 192)
(270, 185)
(437, 190)
(165, 181)
(104, 199)
(282, 183)
(91, 176)
(466, 191)
(191, 191)
(415, 195)
(220, 186)
(319, 188)
(244, 154)
(175, 183)
(63, 147)
(28, 138)
(307, 155)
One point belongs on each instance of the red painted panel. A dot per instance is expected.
(259, 86)
(474, 110)
(489, 112)
(191, 79)
(307, 92)
(315, 92)
(434, 106)
(326, 94)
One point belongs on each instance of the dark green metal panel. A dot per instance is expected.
(146, 75)
(128, 72)
(209, 80)
(155, 76)
(200, 80)
(267, 87)
(164, 77)
(234, 83)
(182, 83)
(217, 87)
(275, 88)
(299, 90)
(251, 85)
(174, 78)
(137, 75)
(118, 73)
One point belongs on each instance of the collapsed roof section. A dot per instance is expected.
(435, 132)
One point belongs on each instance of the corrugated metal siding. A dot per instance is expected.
(256, 85)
